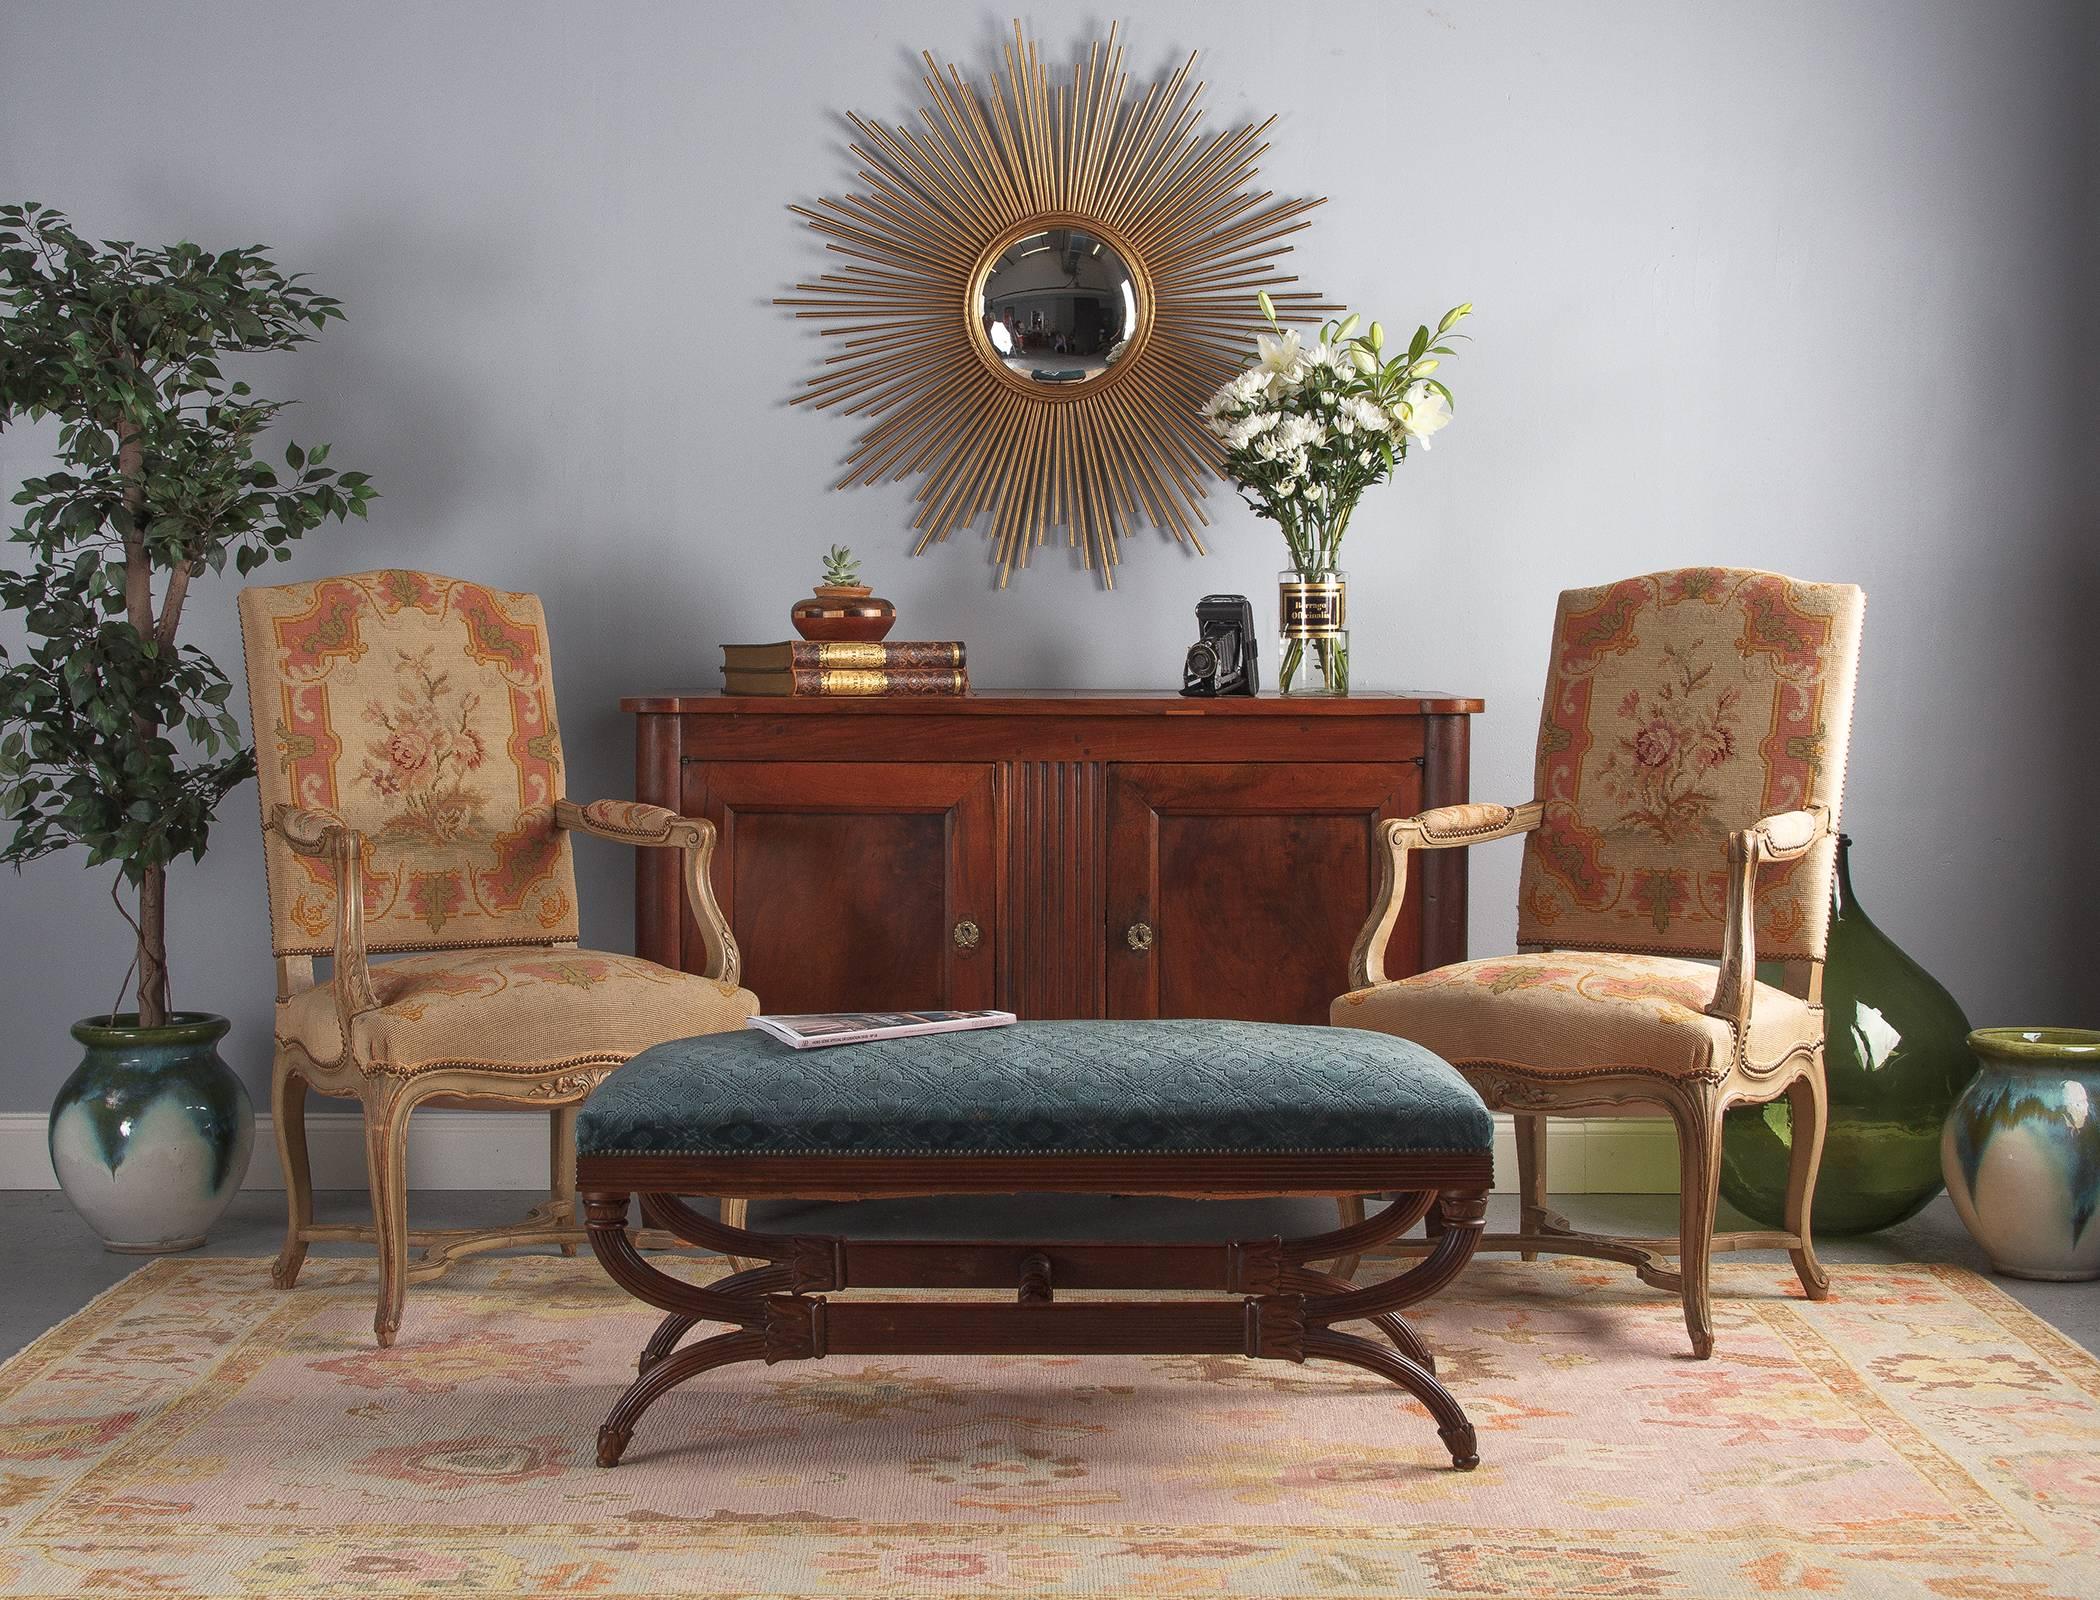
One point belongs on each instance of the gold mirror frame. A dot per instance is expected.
(945, 200)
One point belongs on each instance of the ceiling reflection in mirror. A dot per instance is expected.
(1059, 306)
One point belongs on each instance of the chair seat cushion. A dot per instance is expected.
(1040, 1088)
(515, 1009)
(1582, 1011)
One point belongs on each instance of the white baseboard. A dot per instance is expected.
(508, 1150)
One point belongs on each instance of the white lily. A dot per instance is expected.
(1424, 412)
(1280, 353)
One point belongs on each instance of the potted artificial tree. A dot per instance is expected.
(112, 735)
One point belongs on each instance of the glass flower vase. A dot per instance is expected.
(1312, 619)
(1895, 1057)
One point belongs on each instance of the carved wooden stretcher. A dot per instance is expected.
(1280, 1307)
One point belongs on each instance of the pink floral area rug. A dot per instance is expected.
(195, 1433)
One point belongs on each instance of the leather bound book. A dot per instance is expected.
(849, 682)
(808, 653)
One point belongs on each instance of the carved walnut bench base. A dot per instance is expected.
(1281, 1307)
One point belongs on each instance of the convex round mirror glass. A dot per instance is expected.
(1059, 307)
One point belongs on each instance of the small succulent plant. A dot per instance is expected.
(841, 571)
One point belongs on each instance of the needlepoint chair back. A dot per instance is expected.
(418, 710)
(1681, 707)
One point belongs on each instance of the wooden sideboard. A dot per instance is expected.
(1056, 854)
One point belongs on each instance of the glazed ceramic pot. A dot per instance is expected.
(2022, 1151)
(150, 1136)
(841, 611)
(1895, 1056)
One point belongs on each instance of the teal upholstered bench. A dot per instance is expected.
(1217, 1109)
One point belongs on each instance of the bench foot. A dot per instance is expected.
(666, 1374)
(1452, 1425)
(1281, 1307)
(1465, 1454)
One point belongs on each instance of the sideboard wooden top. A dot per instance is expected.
(1060, 703)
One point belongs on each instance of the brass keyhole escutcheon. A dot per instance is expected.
(967, 935)
(1138, 936)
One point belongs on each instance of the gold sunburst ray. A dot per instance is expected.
(943, 202)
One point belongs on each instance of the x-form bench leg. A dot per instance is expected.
(1285, 1310)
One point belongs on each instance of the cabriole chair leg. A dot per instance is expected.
(1808, 1104)
(1698, 1121)
(288, 1116)
(386, 1107)
(561, 1166)
(1531, 1176)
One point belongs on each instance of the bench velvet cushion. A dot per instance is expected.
(1040, 1088)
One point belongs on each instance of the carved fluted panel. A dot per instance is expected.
(1056, 828)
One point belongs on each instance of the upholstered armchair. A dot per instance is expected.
(411, 774)
(1691, 756)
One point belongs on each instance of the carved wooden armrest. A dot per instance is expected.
(1783, 836)
(632, 822)
(316, 834)
(1444, 828)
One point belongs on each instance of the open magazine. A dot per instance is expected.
(815, 1029)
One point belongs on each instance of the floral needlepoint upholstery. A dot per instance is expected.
(1681, 707)
(1571, 1012)
(419, 710)
(520, 1009)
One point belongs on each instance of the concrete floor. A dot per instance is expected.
(52, 1266)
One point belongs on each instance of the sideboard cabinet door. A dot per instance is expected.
(855, 885)
(1238, 890)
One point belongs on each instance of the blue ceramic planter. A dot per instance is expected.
(150, 1136)
(2022, 1151)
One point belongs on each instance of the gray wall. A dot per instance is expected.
(1789, 285)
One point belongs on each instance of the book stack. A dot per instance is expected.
(845, 670)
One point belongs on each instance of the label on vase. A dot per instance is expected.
(1312, 610)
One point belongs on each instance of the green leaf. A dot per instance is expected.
(110, 739)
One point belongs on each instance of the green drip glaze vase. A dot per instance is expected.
(1895, 1056)
(2022, 1152)
(150, 1136)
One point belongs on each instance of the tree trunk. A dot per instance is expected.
(138, 610)
(153, 948)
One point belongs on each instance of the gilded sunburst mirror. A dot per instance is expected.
(1045, 281)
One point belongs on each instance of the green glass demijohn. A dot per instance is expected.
(1896, 1057)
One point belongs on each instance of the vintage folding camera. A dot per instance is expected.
(1222, 660)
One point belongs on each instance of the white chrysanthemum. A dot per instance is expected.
(1248, 385)
(1369, 414)
(1245, 431)
(1301, 433)
(1427, 412)
(1334, 357)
